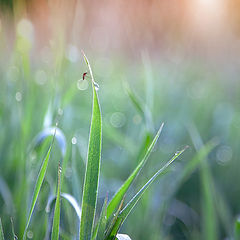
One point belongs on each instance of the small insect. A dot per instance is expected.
(84, 75)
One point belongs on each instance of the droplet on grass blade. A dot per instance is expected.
(30, 234)
(74, 140)
(18, 96)
(96, 86)
(60, 112)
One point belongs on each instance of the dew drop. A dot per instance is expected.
(74, 140)
(18, 96)
(30, 234)
(82, 84)
(60, 112)
(96, 86)
(60, 169)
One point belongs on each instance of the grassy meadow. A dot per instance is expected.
(58, 178)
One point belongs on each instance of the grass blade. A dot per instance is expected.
(209, 221)
(91, 179)
(56, 217)
(128, 208)
(123, 189)
(1, 231)
(142, 108)
(102, 222)
(237, 229)
(38, 185)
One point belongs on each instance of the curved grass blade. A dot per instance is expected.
(51, 131)
(56, 216)
(70, 199)
(38, 185)
(1, 231)
(101, 226)
(123, 189)
(131, 204)
(123, 237)
(91, 179)
(51, 200)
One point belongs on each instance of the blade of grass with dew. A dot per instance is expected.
(91, 179)
(131, 204)
(123, 189)
(188, 169)
(101, 226)
(56, 216)
(57, 209)
(1, 231)
(38, 185)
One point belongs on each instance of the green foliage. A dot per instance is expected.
(90, 188)
(200, 181)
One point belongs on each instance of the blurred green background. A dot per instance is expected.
(180, 60)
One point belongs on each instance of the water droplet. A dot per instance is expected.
(18, 96)
(117, 119)
(137, 119)
(96, 86)
(68, 172)
(60, 169)
(74, 140)
(82, 84)
(224, 155)
(30, 234)
(176, 153)
(60, 112)
(40, 77)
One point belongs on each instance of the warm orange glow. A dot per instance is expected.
(207, 15)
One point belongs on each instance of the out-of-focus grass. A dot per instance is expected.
(33, 95)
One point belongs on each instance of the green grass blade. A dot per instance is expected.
(142, 108)
(91, 180)
(237, 229)
(128, 208)
(209, 216)
(123, 189)
(197, 159)
(135, 100)
(102, 222)
(56, 217)
(38, 185)
(1, 231)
